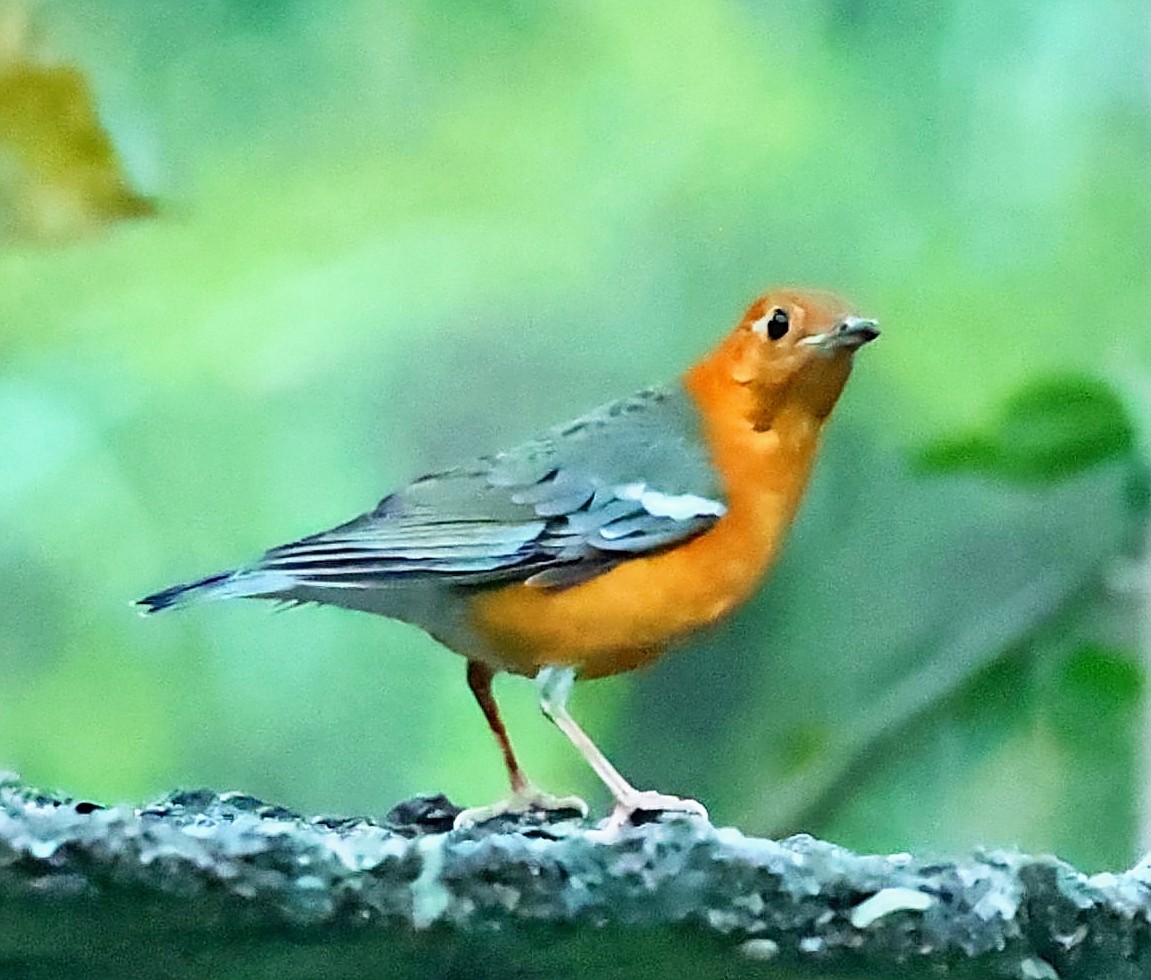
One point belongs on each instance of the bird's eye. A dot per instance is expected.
(777, 323)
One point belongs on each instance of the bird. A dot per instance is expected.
(598, 546)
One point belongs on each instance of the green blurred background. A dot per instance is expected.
(385, 236)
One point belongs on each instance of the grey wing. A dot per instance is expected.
(627, 479)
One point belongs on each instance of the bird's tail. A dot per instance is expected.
(241, 583)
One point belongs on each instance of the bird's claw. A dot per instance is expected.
(647, 801)
(527, 800)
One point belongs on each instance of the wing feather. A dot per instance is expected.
(630, 478)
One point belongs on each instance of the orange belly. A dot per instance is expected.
(633, 613)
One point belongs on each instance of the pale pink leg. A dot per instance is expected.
(554, 685)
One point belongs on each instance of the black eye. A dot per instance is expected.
(777, 323)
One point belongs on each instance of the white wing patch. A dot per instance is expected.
(679, 507)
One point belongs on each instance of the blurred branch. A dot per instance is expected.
(1145, 743)
(1135, 580)
(956, 662)
(1143, 598)
(207, 885)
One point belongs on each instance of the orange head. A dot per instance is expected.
(793, 349)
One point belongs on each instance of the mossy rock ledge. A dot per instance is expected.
(224, 885)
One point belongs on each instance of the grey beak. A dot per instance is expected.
(850, 333)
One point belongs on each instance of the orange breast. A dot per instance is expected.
(630, 615)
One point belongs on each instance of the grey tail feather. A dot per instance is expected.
(178, 595)
(240, 583)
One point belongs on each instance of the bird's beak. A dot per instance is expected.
(850, 333)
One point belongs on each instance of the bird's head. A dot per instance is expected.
(795, 348)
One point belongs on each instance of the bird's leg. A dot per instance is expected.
(554, 685)
(480, 678)
(524, 796)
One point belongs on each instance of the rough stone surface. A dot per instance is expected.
(202, 883)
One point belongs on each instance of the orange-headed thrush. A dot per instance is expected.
(594, 548)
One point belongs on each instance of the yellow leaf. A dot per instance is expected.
(60, 177)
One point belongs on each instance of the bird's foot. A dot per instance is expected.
(529, 799)
(645, 802)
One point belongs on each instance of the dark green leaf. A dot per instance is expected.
(1053, 428)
